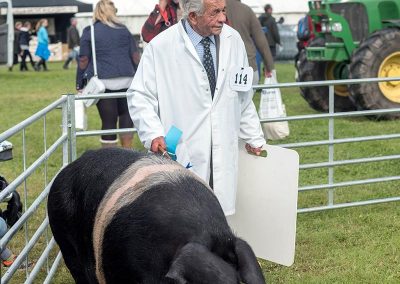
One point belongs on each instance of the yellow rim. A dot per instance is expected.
(390, 67)
(340, 90)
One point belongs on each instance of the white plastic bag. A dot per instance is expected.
(80, 115)
(271, 106)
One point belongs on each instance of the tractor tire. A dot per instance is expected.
(318, 97)
(377, 56)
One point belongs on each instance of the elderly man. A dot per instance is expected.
(184, 80)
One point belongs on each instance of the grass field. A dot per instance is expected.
(354, 245)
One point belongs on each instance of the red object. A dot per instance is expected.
(311, 27)
(168, 18)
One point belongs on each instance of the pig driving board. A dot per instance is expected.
(266, 203)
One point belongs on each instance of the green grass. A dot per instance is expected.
(354, 245)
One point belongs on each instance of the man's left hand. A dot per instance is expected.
(267, 74)
(255, 151)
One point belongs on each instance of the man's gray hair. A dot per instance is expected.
(189, 6)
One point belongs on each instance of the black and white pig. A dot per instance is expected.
(122, 216)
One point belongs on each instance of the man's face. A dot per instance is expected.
(212, 19)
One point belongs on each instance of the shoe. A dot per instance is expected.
(10, 261)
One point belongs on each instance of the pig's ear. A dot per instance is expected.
(195, 263)
(248, 267)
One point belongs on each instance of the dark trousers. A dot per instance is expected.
(15, 58)
(112, 111)
(41, 62)
(26, 54)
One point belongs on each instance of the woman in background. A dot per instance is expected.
(117, 58)
(42, 49)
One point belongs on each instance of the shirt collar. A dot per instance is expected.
(194, 36)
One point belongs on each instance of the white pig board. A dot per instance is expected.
(266, 203)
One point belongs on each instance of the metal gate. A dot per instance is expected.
(49, 258)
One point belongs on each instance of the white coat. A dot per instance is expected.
(171, 88)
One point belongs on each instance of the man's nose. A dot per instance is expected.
(222, 18)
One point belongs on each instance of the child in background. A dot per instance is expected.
(24, 39)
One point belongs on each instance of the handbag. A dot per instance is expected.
(271, 106)
(95, 86)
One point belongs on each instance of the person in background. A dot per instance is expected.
(188, 86)
(164, 15)
(242, 18)
(24, 39)
(73, 43)
(42, 50)
(6, 255)
(117, 57)
(272, 34)
(16, 47)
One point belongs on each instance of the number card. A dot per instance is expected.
(241, 79)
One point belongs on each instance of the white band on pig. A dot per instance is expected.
(125, 190)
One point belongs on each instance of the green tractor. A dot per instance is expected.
(354, 39)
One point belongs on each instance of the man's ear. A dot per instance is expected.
(192, 18)
(196, 264)
(249, 270)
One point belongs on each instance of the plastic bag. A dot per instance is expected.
(80, 115)
(271, 106)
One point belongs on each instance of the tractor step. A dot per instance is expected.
(332, 51)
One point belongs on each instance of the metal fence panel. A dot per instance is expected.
(68, 142)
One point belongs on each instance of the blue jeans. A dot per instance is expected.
(3, 227)
(6, 253)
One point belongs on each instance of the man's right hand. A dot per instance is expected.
(157, 144)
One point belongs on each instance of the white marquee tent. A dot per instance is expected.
(134, 12)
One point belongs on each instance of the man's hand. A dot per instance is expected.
(157, 144)
(163, 4)
(267, 74)
(255, 151)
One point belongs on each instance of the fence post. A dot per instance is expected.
(65, 130)
(331, 145)
(71, 127)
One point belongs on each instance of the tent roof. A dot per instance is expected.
(144, 7)
(82, 7)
